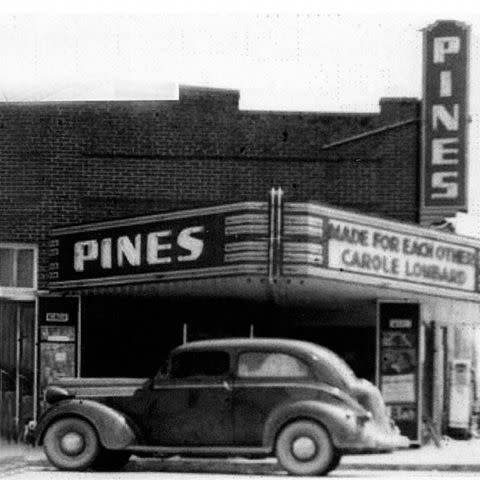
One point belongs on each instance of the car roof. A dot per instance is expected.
(315, 351)
(247, 342)
(284, 344)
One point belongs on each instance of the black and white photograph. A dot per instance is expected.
(239, 240)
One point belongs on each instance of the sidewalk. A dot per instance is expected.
(10, 451)
(454, 455)
(12, 458)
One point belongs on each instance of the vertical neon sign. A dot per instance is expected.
(445, 119)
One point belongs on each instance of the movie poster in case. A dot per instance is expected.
(58, 338)
(398, 363)
(58, 361)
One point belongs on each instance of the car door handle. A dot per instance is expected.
(227, 386)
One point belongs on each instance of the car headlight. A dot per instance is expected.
(55, 394)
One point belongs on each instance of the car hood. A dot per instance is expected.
(92, 387)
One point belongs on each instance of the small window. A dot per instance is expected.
(7, 267)
(267, 364)
(17, 267)
(25, 261)
(200, 364)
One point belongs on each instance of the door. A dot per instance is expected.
(25, 397)
(263, 382)
(16, 367)
(193, 406)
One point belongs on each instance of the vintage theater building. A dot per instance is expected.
(127, 228)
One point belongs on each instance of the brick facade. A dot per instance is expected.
(63, 163)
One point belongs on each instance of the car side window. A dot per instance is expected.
(200, 364)
(271, 364)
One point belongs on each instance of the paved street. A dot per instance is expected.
(43, 473)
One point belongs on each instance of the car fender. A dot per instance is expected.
(339, 421)
(115, 431)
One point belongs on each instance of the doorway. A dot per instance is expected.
(17, 321)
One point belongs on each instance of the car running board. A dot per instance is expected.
(201, 451)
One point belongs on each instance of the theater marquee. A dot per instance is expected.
(212, 241)
(324, 242)
(368, 250)
(445, 119)
(304, 240)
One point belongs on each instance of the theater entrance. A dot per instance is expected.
(128, 336)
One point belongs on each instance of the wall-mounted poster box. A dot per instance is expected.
(398, 364)
(58, 338)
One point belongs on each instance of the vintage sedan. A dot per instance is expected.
(234, 397)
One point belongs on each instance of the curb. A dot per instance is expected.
(12, 459)
(11, 465)
(411, 467)
(245, 466)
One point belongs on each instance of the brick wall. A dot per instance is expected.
(63, 163)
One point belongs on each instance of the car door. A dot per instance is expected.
(193, 405)
(263, 381)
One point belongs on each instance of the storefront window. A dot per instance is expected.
(7, 260)
(25, 269)
(17, 267)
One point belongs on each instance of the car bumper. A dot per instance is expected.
(372, 439)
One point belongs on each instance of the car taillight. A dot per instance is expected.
(363, 419)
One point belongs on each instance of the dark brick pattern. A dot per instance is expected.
(64, 163)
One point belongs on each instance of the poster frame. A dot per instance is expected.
(420, 359)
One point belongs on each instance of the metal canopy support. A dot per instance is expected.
(275, 234)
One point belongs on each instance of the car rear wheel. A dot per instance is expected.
(305, 448)
(337, 457)
(71, 444)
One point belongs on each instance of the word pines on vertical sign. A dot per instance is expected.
(445, 118)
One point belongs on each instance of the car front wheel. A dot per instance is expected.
(71, 444)
(305, 448)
